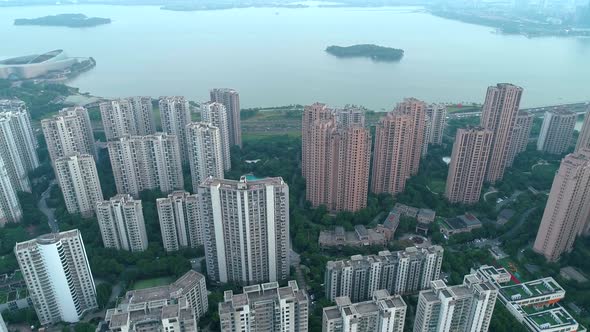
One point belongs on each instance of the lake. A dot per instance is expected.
(276, 56)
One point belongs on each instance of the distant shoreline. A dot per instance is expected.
(64, 20)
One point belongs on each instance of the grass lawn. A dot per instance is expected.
(437, 185)
(154, 282)
(545, 171)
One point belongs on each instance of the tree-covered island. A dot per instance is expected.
(64, 20)
(375, 52)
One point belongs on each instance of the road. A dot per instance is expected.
(521, 221)
(49, 212)
(295, 259)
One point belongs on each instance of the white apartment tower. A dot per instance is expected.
(230, 98)
(246, 229)
(180, 221)
(68, 133)
(205, 152)
(127, 117)
(10, 210)
(146, 163)
(557, 131)
(121, 223)
(58, 277)
(176, 114)
(216, 114)
(435, 125)
(79, 183)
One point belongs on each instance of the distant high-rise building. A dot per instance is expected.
(584, 138)
(435, 121)
(311, 114)
(78, 179)
(205, 152)
(216, 115)
(128, 117)
(467, 170)
(146, 163)
(247, 229)
(10, 209)
(568, 208)
(265, 308)
(557, 131)
(180, 221)
(176, 114)
(521, 135)
(400, 272)
(499, 115)
(58, 277)
(17, 143)
(416, 109)
(121, 223)
(69, 133)
(230, 98)
(383, 313)
(461, 308)
(350, 116)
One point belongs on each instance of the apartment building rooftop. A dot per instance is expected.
(539, 288)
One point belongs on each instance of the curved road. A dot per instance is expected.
(49, 212)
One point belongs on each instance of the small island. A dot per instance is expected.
(374, 52)
(64, 20)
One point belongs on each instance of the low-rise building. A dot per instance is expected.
(361, 236)
(13, 292)
(460, 224)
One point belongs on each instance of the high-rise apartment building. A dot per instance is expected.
(58, 277)
(121, 223)
(584, 138)
(400, 272)
(383, 313)
(205, 152)
(10, 209)
(350, 116)
(435, 121)
(416, 110)
(230, 98)
(557, 131)
(127, 117)
(568, 207)
(265, 308)
(521, 135)
(146, 163)
(79, 183)
(499, 114)
(176, 114)
(180, 221)
(246, 226)
(311, 114)
(467, 169)
(68, 133)
(461, 308)
(17, 143)
(216, 115)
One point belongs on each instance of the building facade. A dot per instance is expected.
(78, 179)
(216, 114)
(58, 276)
(521, 135)
(400, 272)
(557, 131)
(121, 223)
(568, 207)
(246, 229)
(584, 138)
(10, 209)
(416, 110)
(437, 113)
(180, 221)
(311, 114)
(265, 308)
(467, 169)
(69, 133)
(176, 114)
(230, 98)
(132, 116)
(146, 163)
(205, 152)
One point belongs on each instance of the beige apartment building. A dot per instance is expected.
(230, 99)
(69, 132)
(78, 179)
(521, 135)
(131, 116)
(180, 221)
(205, 152)
(175, 114)
(557, 131)
(121, 223)
(216, 115)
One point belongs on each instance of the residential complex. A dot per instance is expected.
(121, 223)
(557, 131)
(10, 209)
(205, 152)
(132, 116)
(230, 98)
(78, 179)
(246, 223)
(383, 313)
(216, 115)
(584, 138)
(467, 170)
(175, 114)
(462, 308)
(568, 207)
(175, 307)
(180, 221)
(58, 276)
(17, 143)
(146, 163)
(400, 272)
(69, 132)
(521, 135)
(499, 113)
(265, 308)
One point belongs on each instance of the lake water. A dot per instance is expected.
(276, 56)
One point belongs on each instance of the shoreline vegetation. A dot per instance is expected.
(371, 51)
(64, 20)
